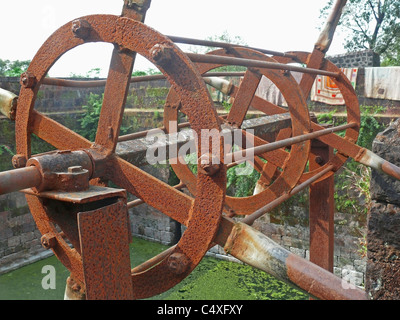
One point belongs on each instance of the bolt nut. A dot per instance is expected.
(18, 161)
(48, 240)
(319, 160)
(209, 164)
(81, 28)
(162, 54)
(178, 263)
(28, 80)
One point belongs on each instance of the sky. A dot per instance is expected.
(282, 25)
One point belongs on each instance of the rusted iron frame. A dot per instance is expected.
(225, 45)
(207, 58)
(101, 83)
(237, 157)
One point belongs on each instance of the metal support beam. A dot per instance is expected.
(321, 209)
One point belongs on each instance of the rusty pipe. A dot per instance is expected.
(255, 249)
(208, 58)
(19, 179)
(225, 45)
(372, 160)
(8, 104)
(326, 36)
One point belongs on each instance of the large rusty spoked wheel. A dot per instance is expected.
(201, 215)
(291, 164)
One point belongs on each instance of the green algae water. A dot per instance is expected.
(213, 279)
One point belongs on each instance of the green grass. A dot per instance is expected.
(213, 279)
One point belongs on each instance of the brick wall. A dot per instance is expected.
(359, 59)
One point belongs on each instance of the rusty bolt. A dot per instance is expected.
(81, 28)
(209, 164)
(161, 54)
(178, 263)
(319, 160)
(18, 161)
(48, 240)
(28, 80)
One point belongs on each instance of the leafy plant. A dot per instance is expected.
(13, 68)
(352, 183)
(90, 120)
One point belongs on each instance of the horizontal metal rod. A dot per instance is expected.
(273, 204)
(247, 154)
(102, 83)
(208, 58)
(141, 134)
(225, 45)
(18, 179)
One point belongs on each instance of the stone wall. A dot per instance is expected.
(383, 275)
(19, 237)
(359, 59)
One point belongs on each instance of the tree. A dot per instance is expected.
(371, 24)
(13, 68)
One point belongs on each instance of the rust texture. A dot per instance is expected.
(321, 209)
(66, 189)
(104, 246)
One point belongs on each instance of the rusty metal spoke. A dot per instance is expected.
(56, 134)
(243, 97)
(154, 192)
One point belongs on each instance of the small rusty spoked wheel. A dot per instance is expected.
(291, 164)
(201, 215)
(343, 145)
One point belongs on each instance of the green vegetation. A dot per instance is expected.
(371, 24)
(352, 182)
(13, 68)
(213, 279)
(91, 117)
